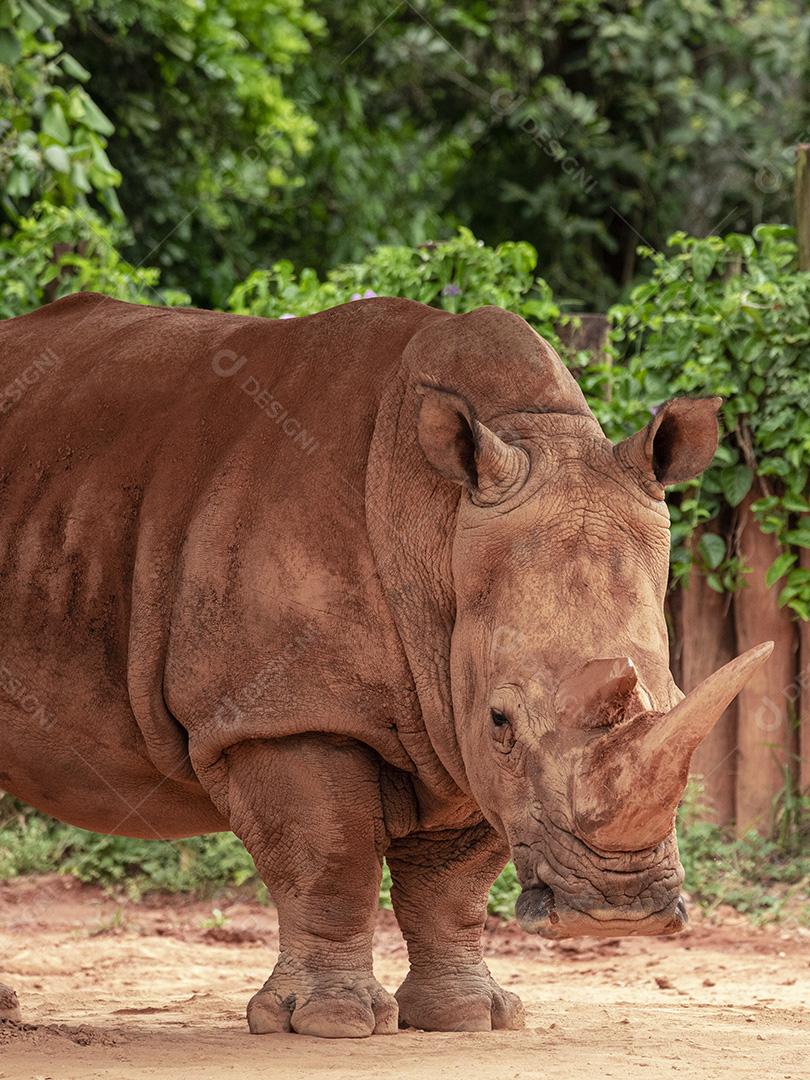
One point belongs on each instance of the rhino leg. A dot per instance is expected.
(308, 810)
(440, 888)
(9, 1005)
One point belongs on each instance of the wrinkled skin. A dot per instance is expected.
(367, 584)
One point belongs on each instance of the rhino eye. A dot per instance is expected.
(498, 718)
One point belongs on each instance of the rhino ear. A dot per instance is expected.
(678, 443)
(464, 450)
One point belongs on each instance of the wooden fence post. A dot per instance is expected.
(707, 642)
(803, 204)
(803, 237)
(765, 734)
(803, 684)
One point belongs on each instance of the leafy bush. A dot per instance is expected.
(53, 136)
(728, 316)
(237, 131)
(58, 250)
(207, 138)
(767, 879)
(577, 125)
(456, 275)
(32, 843)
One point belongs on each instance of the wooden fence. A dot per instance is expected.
(762, 741)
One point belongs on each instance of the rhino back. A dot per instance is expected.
(183, 549)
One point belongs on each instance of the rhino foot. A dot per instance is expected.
(458, 1001)
(9, 1005)
(332, 1004)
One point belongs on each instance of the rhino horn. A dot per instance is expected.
(688, 724)
(598, 689)
(638, 770)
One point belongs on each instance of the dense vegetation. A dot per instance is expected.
(223, 135)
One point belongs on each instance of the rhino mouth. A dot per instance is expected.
(538, 911)
(570, 889)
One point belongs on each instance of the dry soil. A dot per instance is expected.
(158, 988)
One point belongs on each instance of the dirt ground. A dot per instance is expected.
(159, 988)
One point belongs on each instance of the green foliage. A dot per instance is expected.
(32, 843)
(767, 879)
(58, 250)
(575, 125)
(238, 132)
(187, 99)
(729, 316)
(53, 136)
(456, 275)
(504, 893)
(206, 137)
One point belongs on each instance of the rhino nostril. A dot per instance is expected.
(534, 906)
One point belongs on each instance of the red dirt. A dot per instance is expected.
(123, 990)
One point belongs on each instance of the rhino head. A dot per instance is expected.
(575, 740)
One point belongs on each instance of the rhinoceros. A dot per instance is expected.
(366, 584)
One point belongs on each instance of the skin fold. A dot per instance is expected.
(371, 583)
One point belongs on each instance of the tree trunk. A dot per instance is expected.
(765, 736)
(707, 642)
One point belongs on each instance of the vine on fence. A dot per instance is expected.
(730, 316)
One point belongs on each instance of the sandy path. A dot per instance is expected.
(145, 990)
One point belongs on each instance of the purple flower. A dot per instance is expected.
(368, 294)
(287, 315)
(356, 296)
(451, 290)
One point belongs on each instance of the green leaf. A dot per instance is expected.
(778, 568)
(9, 48)
(8, 13)
(28, 18)
(714, 582)
(79, 178)
(181, 46)
(94, 118)
(53, 16)
(736, 483)
(18, 184)
(800, 537)
(72, 67)
(55, 125)
(57, 158)
(713, 549)
(703, 260)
